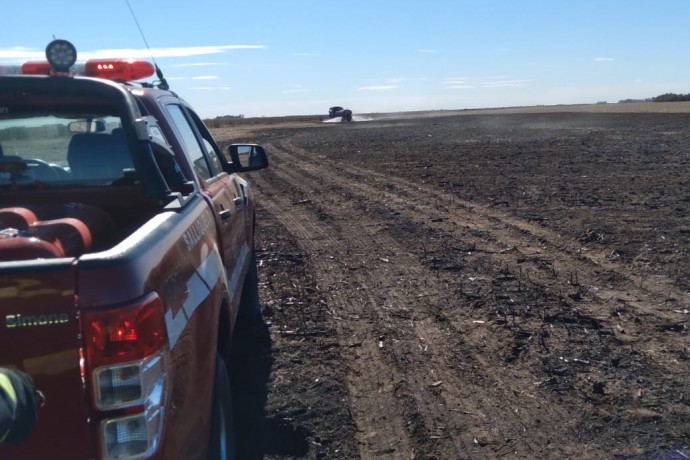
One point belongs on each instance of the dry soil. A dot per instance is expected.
(474, 285)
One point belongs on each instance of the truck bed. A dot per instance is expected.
(70, 223)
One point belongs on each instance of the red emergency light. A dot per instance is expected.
(62, 55)
(119, 69)
(111, 69)
(36, 68)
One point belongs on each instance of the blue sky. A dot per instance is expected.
(279, 57)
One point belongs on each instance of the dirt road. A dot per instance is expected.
(490, 286)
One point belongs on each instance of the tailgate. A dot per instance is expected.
(39, 333)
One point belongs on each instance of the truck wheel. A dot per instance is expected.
(249, 313)
(222, 441)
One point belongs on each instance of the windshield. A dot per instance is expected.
(51, 148)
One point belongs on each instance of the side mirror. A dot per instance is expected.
(247, 157)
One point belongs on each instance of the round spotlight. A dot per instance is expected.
(61, 54)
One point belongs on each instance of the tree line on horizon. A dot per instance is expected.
(667, 97)
(672, 97)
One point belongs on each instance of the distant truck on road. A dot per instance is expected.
(126, 261)
(337, 111)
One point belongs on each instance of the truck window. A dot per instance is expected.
(213, 152)
(192, 147)
(62, 145)
(212, 157)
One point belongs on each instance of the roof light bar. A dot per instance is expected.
(119, 69)
(36, 68)
(62, 56)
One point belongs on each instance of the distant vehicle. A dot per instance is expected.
(337, 111)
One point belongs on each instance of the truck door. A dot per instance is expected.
(226, 194)
(231, 206)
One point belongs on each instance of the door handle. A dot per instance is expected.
(225, 214)
(239, 201)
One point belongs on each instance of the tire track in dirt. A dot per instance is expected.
(367, 336)
(464, 411)
(543, 345)
(516, 241)
(508, 240)
(377, 433)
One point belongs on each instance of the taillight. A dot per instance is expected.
(129, 384)
(127, 358)
(125, 333)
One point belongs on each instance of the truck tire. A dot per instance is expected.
(222, 441)
(249, 314)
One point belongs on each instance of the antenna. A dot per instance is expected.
(159, 73)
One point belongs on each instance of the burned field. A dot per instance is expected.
(474, 286)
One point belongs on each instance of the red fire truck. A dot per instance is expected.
(126, 260)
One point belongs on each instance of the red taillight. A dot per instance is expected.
(36, 68)
(125, 333)
(127, 360)
(119, 69)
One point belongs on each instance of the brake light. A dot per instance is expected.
(36, 68)
(119, 69)
(127, 357)
(126, 333)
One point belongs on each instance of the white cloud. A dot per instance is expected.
(504, 83)
(166, 52)
(297, 91)
(604, 59)
(456, 81)
(200, 64)
(488, 83)
(396, 80)
(378, 88)
(206, 77)
(212, 88)
(17, 54)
